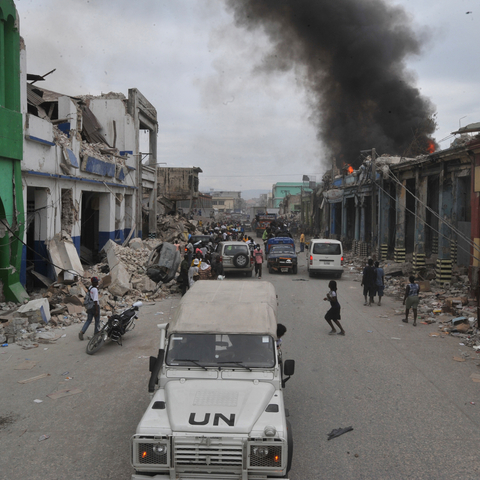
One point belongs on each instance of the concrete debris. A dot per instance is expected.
(449, 304)
(123, 280)
(65, 258)
(37, 311)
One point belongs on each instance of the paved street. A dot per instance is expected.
(407, 400)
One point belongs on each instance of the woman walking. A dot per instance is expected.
(333, 315)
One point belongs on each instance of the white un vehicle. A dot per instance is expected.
(217, 408)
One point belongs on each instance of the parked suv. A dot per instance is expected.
(235, 257)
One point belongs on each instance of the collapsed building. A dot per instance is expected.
(82, 172)
(421, 209)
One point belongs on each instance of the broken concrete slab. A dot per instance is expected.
(46, 281)
(136, 243)
(144, 284)
(73, 300)
(74, 309)
(64, 256)
(120, 278)
(36, 311)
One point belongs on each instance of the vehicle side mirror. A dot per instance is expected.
(289, 367)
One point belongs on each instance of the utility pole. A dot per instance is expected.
(374, 202)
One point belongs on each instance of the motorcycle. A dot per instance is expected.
(116, 326)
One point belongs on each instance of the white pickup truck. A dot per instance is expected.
(217, 409)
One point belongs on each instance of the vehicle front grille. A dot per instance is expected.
(208, 452)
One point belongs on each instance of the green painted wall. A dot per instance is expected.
(11, 155)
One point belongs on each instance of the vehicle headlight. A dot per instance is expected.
(159, 449)
(115, 323)
(260, 452)
(289, 261)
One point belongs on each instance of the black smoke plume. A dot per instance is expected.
(352, 57)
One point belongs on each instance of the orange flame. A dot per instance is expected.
(350, 169)
(430, 146)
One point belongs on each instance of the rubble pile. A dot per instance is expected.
(176, 227)
(123, 281)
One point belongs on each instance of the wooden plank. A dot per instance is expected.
(38, 377)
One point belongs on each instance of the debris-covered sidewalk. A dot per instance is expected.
(123, 280)
(451, 305)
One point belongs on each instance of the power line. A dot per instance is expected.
(452, 227)
(427, 224)
(262, 175)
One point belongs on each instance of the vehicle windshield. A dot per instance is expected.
(282, 249)
(326, 248)
(225, 351)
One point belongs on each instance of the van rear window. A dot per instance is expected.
(326, 249)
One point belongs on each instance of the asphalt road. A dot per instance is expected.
(406, 399)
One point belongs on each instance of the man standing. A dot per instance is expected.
(302, 241)
(258, 255)
(92, 311)
(184, 266)
(368, 282)
(380, 282)
(411, 299)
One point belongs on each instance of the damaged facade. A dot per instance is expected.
(424, 209)
(82, 173)
(175, 185)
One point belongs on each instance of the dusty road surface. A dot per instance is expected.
(414, 410)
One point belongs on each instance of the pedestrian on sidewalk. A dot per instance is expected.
(368, 282)
(302, 242)
(380, 282)
(258, 255)
(333, 315)
(411, 299)
(183, 277)
(93, 308)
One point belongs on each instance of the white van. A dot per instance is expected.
(325, 256)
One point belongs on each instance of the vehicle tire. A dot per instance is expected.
(294, 269)
(339, 275)
(241, 260)
(270, 270)
(290, 446)
(249, 274)
(95, 343)
(310, 274)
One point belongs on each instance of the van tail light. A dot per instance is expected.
(341, 261)
(311, 259)
(220, 259)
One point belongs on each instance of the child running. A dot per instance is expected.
(334, 313)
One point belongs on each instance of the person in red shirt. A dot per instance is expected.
(258, 256)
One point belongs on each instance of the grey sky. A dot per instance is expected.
(246, 130)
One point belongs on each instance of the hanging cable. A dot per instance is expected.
(428, 225)
(452, 227)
